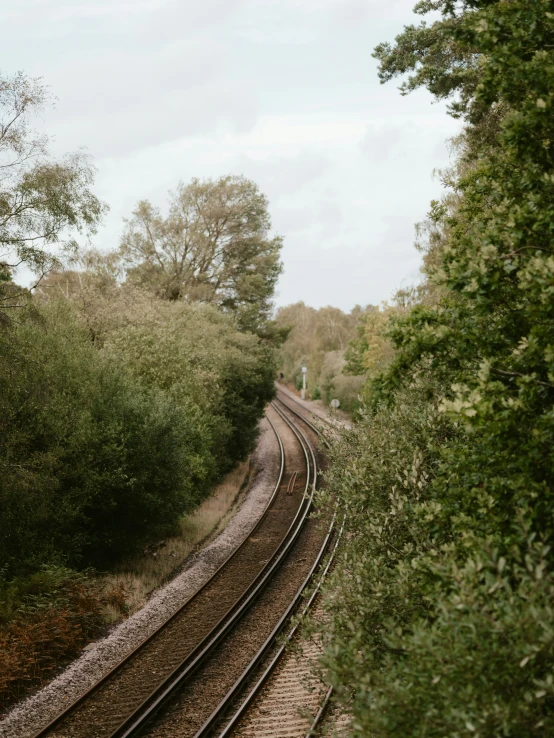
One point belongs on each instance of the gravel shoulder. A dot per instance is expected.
(27, 717)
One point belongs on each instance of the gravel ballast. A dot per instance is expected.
(27, 717)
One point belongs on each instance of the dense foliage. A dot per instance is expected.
(318, 340)
(104, 445)
(127, 388)
(442, 611)
(213, 246)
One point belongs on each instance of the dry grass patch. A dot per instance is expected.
(140, 576)
(50, 629)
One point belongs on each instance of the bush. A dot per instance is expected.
(440, 623)
(105, 443)
(92, 462)
(222, 377)
(347, 390)
(483, 666)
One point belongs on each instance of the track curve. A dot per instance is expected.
(105, 709)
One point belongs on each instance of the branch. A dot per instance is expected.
(519, 374)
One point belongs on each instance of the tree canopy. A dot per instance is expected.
(214, 246)
(442, 608)
(129, 384)
(44, 203)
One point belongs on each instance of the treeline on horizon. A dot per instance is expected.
(340, 350)
(320, 339)
(441, 608)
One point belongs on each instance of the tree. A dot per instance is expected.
(442, 607)
(43, 202)
(317, 339)
(214, 246)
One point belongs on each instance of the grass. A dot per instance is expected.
(47, 618)
(140, 576)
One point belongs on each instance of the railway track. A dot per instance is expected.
(280, 688)
(289, 701)
(286, 399)
(242, 600)
(235, 665)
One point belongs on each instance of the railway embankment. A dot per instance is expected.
(104, 654)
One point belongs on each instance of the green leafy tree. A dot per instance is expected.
(442, 607)
(491, 333)
(44, 203)
(92, 462)
(214, 246)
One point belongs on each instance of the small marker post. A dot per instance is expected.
(303, 392)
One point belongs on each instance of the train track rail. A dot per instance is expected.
(302, 416)
(290, 398)
(276, 705)
(271, 706)
(279, 704)
(227, 672)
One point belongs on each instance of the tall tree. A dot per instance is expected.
(213, 246)
(44, 203)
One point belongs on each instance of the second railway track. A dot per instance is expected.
(225, 619)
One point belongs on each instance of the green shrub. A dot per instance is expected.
(104, 444)
(222, 377)
(92, 462)
(441, 624)
(346, 389)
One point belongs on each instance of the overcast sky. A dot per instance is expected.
(283, 91)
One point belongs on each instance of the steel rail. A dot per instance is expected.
(235, 690)
(63, 714)
(320, 713)
(217, 715)
(314, 415)
(324, 705)
(137, 720)
(239, 714)
(304, 419)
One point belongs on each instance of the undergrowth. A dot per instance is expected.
(46, 619)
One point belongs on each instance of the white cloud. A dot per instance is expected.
(283, 174)
(281, 91)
